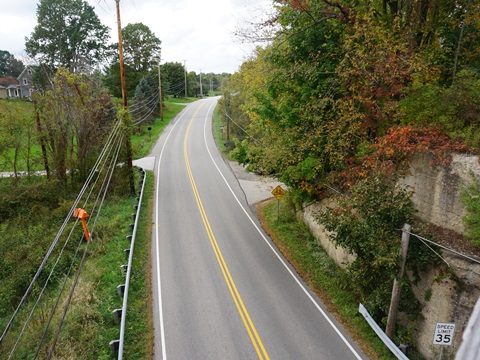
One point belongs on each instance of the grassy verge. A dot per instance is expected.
(321, 273)
(89, 325)
(104, 274)
(146, 135)
(219, 133)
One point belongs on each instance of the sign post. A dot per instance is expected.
(443, 335)
(278, 192)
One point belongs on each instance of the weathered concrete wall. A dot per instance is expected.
(452, 290)
(447, 293)
(338, 253)
(437, 189)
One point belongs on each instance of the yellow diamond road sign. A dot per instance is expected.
(278, 192)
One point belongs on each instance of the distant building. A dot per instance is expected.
(20, 87)
(9, 87)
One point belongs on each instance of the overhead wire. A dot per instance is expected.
(55, 241)
(424, 240)
(145, 108)
(144, 104)
(175, 87)
(146, 116)
(99, 202)
(109, 12)
(114, 131)
(241, 128)
(117, 135)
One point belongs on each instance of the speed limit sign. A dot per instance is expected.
(443, 334)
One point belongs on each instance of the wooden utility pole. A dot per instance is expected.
(392, 312)
(120, 54)
(124, 100)
(201, 90)
(160, 89)
(185, 67)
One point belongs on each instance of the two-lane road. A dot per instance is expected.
(221, 289)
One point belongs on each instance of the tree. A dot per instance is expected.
(76, 113)
(68, 34)
(141, 48)
(9, 65)
(173, 78)
(17, 131)
(113, 82)
(146, 104)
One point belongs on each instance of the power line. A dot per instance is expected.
(103, 192)
(57, 238)
(443, 247)
(117, 137)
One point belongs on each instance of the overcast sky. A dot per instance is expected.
(198, 31)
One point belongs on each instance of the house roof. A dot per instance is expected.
(8, 80)
(28, 67)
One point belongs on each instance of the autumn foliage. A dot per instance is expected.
(339, 104)
(342, 90)
(391, 154)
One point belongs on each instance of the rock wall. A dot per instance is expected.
(437, 189)
(341, 256)
(449, 292)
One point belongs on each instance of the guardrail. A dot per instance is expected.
(121, 314)
(386, 340)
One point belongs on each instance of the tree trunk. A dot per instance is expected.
(42, 141)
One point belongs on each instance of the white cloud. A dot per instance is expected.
(201, 32)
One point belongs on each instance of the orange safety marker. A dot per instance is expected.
(82, 215)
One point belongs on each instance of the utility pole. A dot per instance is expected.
(392, 312)
(120, 55)
(201, 90)
(160, 88)
(124, 100)
(185, 67)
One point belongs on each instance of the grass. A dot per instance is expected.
(320, 272)
(145, 135)
(105, 274)
(89, 325)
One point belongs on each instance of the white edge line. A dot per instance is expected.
(272, 248)
(159, 284)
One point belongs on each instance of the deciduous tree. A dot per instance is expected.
(76, 114)
(9, 66)
(68, 34)
(141, 47)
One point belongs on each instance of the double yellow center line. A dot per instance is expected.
(247, 321)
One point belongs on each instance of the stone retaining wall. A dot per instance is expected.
(447, 293)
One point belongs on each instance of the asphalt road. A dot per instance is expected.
(221, 289)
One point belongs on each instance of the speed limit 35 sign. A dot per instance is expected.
(443, 334)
